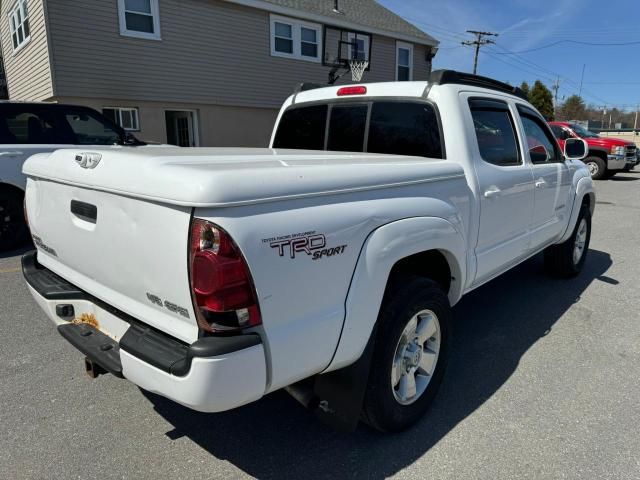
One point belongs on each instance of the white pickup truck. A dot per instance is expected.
(326, 264)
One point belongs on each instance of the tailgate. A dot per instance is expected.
(128, 252)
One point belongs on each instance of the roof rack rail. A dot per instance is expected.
(442, 77)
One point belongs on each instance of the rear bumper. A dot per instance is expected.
(213, 374)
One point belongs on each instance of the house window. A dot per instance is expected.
(362, 46)
(19, 25)
(139, 18)
(404, 61)
(295, 39)
(126, 117)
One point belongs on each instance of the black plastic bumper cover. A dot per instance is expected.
(140, 340)
(96, 346)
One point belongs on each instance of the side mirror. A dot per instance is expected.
(130, 139)
(539, 154)
(575, 149)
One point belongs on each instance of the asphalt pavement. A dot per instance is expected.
(543, 382)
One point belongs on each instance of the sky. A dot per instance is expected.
(537, 40)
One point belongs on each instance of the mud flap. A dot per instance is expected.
(340, 393)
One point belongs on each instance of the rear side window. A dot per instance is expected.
(346, 128)
(28, 127)
(402, 128)
(392, 127)
(302, 128)
(495, 132)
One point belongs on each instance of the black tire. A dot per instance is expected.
(559, 259)
(381, 409)
(627, 167)
(13, 229)
(597, 167)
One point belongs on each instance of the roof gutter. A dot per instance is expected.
(337, 22)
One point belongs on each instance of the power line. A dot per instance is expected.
(479, 42)
(572, 41)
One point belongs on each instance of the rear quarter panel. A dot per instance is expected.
(302, 299)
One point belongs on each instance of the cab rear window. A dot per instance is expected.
(393, 127)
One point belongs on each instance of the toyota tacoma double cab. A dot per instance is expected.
(326, 264)
(606, 156)
(29, 128)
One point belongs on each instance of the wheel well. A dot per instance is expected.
(429, 264)
(588, 201)
(597, 153)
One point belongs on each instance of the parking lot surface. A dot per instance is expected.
(543, 382)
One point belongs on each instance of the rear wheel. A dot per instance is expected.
(409, 357)
(566, 259)
(13, 229)
(597, 167)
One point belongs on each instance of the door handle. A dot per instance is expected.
(540, 183)
(492, 192)
(10, 154)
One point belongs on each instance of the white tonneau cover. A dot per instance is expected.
(218, 177)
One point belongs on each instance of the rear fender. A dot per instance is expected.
(584, 187)
(383, 248)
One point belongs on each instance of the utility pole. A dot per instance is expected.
(555, 88)
(581, 80)
(479, 42)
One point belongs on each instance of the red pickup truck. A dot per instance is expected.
(607, 156)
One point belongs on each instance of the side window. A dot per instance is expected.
(541, 145)
(495, 132)
(29, 128)
(346, 128)
(89, 130)
(302, 128)
(404, 128)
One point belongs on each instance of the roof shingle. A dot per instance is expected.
(365, 13)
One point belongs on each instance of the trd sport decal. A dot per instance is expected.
(310, 243)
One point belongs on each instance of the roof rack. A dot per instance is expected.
(442, 77)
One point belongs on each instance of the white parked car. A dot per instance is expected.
(215, 276)
(29, 128)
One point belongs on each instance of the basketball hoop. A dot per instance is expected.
(357, 69)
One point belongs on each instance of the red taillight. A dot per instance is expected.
(357, 90)
(223, 294)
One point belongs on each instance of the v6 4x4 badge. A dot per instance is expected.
(312, 244)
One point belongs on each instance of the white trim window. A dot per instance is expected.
(126, 117)
(362, 41)
(295, 39)
(139, 18)
(19, 25)
(404, 62)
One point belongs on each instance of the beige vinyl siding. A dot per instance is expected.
(218, 126)
(210, 52)
(28, 70)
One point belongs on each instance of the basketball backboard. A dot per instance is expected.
(342, 45)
